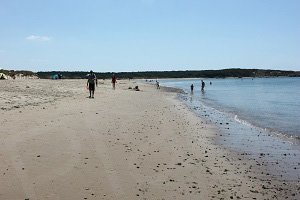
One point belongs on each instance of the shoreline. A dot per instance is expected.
(282, 154)
(288, 137)
(270, 162)
(124, 144)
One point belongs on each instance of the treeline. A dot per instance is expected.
(234, 72)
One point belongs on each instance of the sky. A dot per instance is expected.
(149, 35)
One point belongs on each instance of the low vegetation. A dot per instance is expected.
(223, 73)
(236, 72)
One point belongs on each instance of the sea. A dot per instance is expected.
(259, 117)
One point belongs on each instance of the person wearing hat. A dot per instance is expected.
(91, 82)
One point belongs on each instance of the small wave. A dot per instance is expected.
(294, 139)
(219, 113)
(282, 135)
(225, 114)
(236, 118)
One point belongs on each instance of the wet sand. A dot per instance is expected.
(58, 144)
(278, 153)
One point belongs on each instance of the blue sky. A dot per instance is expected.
(143, 35)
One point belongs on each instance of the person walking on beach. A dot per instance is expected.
(113, 81)
(202, 85)
(192, 87)
(157, 85)
(91, 82)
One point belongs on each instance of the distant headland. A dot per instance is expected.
(223, 73)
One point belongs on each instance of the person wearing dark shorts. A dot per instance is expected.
(91, 87)
(91, 82)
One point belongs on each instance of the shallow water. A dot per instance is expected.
(268, 103)
(256, 117)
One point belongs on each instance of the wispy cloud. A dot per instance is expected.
(38, 38)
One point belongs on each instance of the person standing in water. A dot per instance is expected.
(202, 85)
(113, 81)
(192, 87)
(91, 82)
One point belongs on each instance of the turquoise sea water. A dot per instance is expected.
(257, 117)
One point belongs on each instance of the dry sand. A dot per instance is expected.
(55, 143)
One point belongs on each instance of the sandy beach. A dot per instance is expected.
(55, 143)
